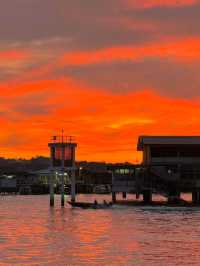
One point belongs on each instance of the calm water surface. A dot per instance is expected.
(33, 234)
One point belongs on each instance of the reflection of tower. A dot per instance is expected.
(62, 151)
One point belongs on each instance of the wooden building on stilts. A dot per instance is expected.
(170, 166)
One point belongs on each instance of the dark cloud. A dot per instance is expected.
(171, 20)
(26, 105)
(89, 24)
(165, 76)
(92, 23)
(52, 27)
(35, 103)
(29, 19)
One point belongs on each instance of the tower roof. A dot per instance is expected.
(167, 140)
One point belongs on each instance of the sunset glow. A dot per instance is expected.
(105, 73)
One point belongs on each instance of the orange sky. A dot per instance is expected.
(104, 73)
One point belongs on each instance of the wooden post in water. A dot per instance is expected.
(62, 191)
(51, 181)
(73, 178)
(114, 200)
(51, 188)
(147, 196)
(124, 195)
(73, 186)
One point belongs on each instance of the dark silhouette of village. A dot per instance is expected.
(30, 176)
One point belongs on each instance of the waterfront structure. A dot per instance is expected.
(62, 153)
(8, 184)
(123, 179)
(171, 165)
(94, 175)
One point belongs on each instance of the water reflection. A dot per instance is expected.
(31, 233)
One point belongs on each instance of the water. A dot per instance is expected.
(31, 233)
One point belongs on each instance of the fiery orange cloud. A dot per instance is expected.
(154, 3)
(50, 78)
(184, 49)
(106, 125)
(13, 55)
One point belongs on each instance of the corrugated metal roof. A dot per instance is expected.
(167, 140)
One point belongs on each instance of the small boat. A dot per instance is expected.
(90, 205)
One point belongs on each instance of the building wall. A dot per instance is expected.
(146, 155)
(167, 154)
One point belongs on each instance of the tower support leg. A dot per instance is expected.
(147, 196)
(198, 196)
(194, 196)
(124, 195)
(114, 197)
(51, 189)
(73, 186)
(62, 192)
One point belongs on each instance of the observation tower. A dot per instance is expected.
(63, 158)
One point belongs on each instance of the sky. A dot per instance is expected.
(104, 71)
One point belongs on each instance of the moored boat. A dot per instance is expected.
(90, 205)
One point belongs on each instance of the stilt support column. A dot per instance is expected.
(194, 196)
(124, 195)
(73, 186)
(62, 192)
(51, 188)
(147, 196)
(114, 197)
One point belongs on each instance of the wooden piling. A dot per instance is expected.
(147, 196)
(114, 197)
(124, 195)
(51, 188)
(73, 186)
(62, 189)
(62, 192)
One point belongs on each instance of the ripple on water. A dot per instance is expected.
(31, 233)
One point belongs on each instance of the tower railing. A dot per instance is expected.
(62, 139)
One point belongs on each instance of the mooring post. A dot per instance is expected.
(194, 196)
(147, 196)
(73, 178)
(114, 200)
(51, 188)
(124, 195)
(62, 189)
(198, 196)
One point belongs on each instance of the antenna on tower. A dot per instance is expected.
(62, 136)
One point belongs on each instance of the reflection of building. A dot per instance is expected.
(172, 165)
